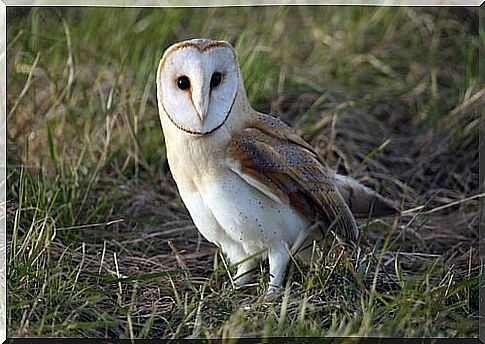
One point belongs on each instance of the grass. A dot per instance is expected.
(99, 243)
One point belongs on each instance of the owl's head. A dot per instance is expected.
(197, 84)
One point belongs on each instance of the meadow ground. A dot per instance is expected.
(99, 243)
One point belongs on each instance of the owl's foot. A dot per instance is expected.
(242, 281)
(272, 289)
(271, 294)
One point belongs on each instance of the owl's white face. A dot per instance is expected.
(197, 83)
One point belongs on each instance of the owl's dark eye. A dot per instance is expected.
(183, 82)
(216, 79)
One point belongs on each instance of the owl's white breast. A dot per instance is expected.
(228, 210)
(248, 216)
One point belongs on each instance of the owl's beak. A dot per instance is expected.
(202, 113)
(201, 103)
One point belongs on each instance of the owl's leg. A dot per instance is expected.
(278, 261)
(244, 269)
(237, 255)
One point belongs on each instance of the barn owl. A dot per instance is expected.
(251, 185)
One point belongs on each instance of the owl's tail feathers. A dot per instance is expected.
(362, 201)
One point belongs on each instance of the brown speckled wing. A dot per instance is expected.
(269, 156)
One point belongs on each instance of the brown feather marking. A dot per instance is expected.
(280, 159)
(267, 181)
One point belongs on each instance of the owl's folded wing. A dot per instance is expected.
(280, 164)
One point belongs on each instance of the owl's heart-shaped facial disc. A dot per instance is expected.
(197, 84)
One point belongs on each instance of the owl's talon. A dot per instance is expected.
(272, 289)
(242, 281)
(270, 296)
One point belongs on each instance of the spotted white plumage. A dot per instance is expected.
(250, 184)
